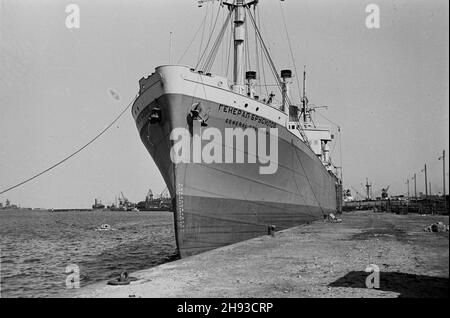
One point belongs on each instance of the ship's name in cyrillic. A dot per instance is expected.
(246, 115)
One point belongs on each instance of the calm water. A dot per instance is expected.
(37, 246)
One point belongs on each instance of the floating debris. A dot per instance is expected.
(437, 227)
(105, 227)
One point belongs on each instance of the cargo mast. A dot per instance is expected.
(239, 49)
(304, 99)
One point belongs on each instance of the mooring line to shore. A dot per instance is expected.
(75, 152)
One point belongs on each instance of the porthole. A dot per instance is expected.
(257, 108)
(246, 105)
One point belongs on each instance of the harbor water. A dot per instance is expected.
(37, 246)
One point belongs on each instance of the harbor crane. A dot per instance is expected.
(384, 193)
(125, 203)
(123, 200)
(149, 196)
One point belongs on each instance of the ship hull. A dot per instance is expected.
(217, 204)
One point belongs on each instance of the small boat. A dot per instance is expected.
(104, 227)
(98, 205)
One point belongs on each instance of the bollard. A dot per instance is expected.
(123, 279)
(271, 230)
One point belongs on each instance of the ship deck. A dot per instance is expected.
(321, 259)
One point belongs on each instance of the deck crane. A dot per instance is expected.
(384, 193)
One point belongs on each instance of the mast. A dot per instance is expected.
(304, 100)
(239, 36)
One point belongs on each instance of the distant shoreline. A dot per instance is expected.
(74, 210)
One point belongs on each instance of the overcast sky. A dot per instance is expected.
(387, 88)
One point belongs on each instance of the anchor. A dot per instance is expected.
(155, 115)
(194, 114)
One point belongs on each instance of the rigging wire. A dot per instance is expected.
(73, 153)
(290, 47)
(275, 74)
(215, 48)
(309, 182)
(329, 120)
(192, 41)
(248, 65)
(209, 39)
(203, 32)
(257, 56)
(262, 61)
(213, 52)
(212, 19)
(274, 71)
(222, 46)
(340, 139)
(230, 42)
(266, 52)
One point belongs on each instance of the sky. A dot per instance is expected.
(387, 88)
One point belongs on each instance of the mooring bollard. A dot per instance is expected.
(123, 279)
(271, 230)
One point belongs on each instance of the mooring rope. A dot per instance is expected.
(74, 153)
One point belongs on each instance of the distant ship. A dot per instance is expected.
(8, 206)
(122, 204)
(163, 203)
(216, 204)
(98, 205)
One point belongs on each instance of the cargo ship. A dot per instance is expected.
(222, 199)
(98, 205)
(161, 203)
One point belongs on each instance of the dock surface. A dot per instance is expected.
(320, 259)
